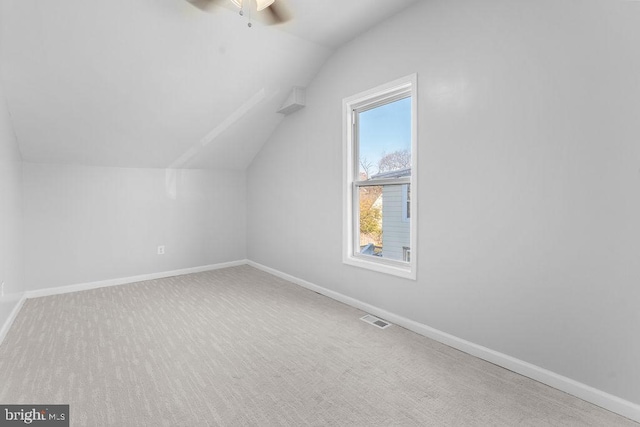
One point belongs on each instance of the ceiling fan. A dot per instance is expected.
(269, 11)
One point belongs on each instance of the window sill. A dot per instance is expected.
(394, 268)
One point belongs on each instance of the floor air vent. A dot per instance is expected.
(382, 324)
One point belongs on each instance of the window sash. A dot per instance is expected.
(383, 182)
(381, 100)
(356, 219)
(367, 105)
(370, 104)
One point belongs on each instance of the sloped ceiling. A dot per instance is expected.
(159, 83)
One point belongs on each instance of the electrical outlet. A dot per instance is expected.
(160, 250)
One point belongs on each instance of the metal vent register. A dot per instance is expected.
(382, 324)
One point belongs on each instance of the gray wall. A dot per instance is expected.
(529, 180)
(10, 215)
(85, 224)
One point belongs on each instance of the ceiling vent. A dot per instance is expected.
(373, 320)
(294, 102)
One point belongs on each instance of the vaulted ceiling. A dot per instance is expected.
(160, 83)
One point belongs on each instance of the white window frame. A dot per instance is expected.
(380, 95)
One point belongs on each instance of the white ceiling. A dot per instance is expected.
(159, 83)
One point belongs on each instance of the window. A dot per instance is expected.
(380, 167)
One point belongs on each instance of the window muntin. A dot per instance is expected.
(379, 170)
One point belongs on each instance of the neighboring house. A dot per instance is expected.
(396, 200)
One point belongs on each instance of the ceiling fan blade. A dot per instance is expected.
(206, 5)
(277, 13)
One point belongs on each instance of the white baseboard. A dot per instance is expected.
(12, 316)
(124, 280)
(575, 388)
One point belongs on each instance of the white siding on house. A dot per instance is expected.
(395, 229)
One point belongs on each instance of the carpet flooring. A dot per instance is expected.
(238, 347)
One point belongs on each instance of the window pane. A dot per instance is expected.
(384, 141)
(370, 202)
(383, 230)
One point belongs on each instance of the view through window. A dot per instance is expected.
(383, 139)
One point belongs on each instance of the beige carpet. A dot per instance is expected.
(240, 347)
